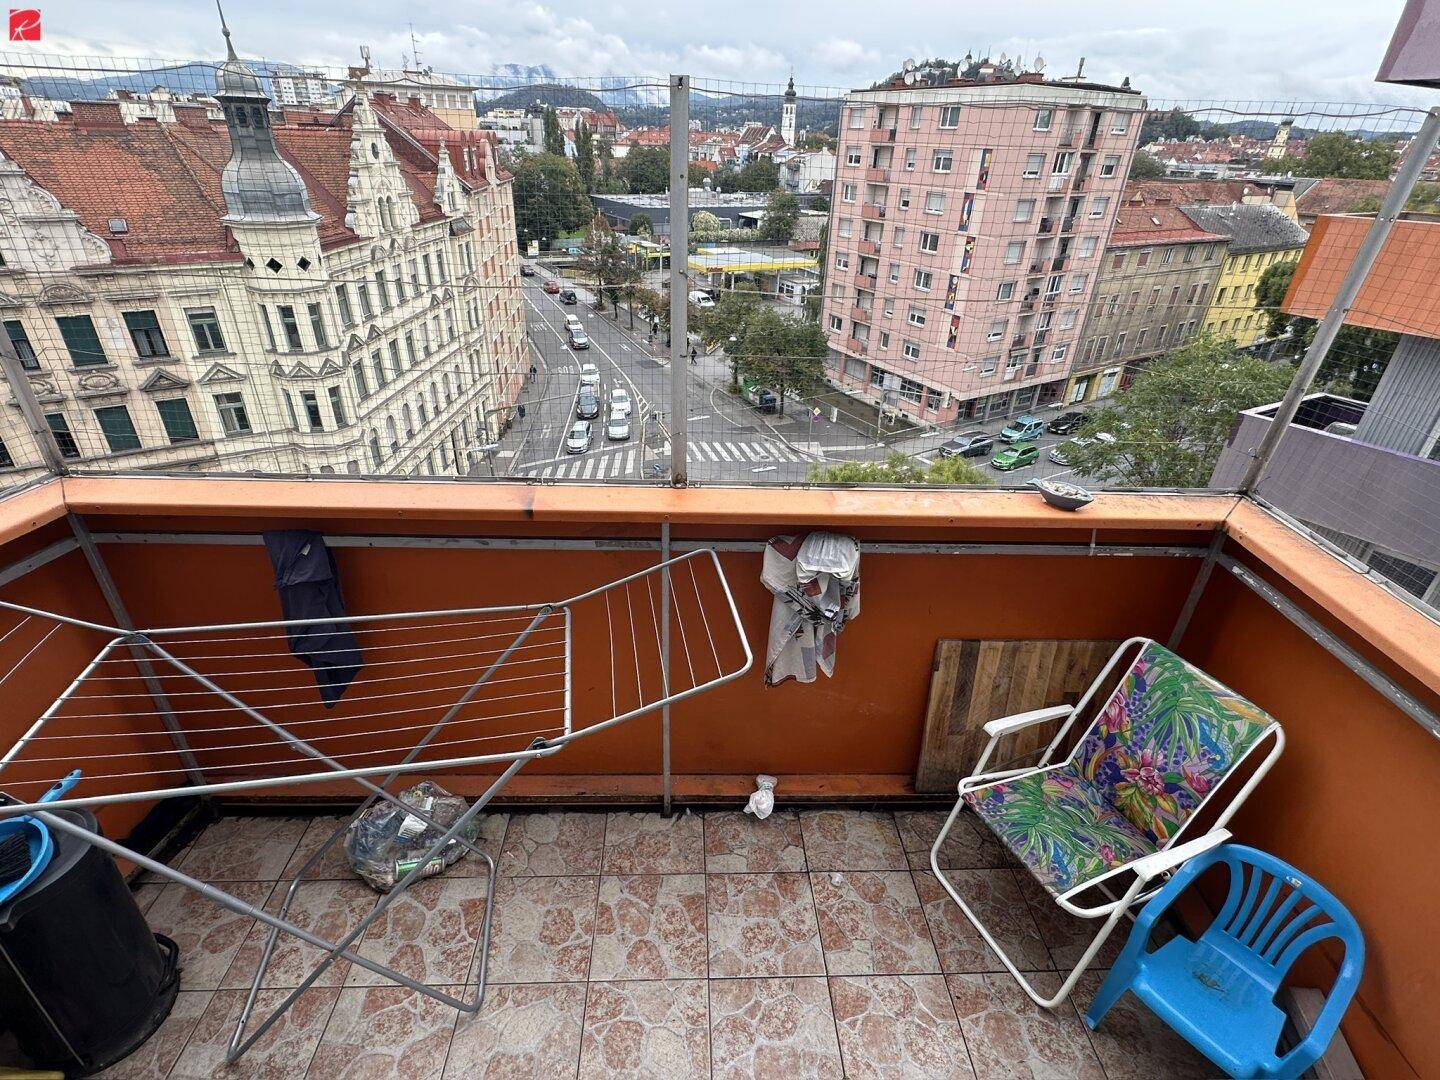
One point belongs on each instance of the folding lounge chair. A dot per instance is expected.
(1097, 828)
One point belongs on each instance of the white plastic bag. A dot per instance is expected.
(762, 801)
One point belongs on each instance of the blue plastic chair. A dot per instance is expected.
(1219, 992)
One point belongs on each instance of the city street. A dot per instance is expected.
(729, 441)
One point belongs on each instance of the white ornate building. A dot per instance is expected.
(287, 292)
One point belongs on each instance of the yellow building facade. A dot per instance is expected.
(1261, 235)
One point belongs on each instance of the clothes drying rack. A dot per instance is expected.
(220, 709)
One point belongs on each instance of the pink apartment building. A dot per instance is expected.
(966, 232)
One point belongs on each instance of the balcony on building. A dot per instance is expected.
(877, 176)
(1282, 621)
(861, 313)
(882, 135)
(872, 211)
(1046, 225)
(868, 247)
(865, 280)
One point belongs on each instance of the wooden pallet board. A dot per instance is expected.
(974, 681)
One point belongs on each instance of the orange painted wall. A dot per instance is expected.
(1352, 801)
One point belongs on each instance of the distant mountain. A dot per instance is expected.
(192, 77)
(552, 94)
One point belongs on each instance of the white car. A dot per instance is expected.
(618, 429)
(578, 440)
(572, 322)
(589, 375)
(701, 299)
(1058, 453)
(620, 402)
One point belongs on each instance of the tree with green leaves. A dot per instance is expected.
(1357, 356)
(1170, 424)
(759, 174)
(782, 214)
(642, 225)
(645, 170)
(820, 203)
(1340, 154)
(605, 261)
(815, 298)
(782, 352)
(817, 140)
(604, 160)
(705, 221)
(549, 198)
(1144, 166)
(697, 174)
(585, 154)
(899, 469)
(554, 138)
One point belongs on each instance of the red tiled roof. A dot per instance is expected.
(1190, 192)
(164, 179)
(1139, 225)
(1333, 195)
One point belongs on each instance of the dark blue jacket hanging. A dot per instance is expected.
(309, 588)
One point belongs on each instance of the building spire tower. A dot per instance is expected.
(787, 113)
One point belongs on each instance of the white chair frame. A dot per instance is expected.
(1160, 864)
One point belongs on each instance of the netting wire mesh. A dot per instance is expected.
(410, 273)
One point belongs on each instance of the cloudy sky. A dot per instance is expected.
(1252, 50)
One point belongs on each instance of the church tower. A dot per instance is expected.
(787, 114)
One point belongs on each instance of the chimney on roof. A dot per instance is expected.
(96, 113)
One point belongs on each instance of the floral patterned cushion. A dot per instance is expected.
(1060, 826)
(1168, 735)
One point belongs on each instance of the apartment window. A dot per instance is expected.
(942, 161)
(904, 198)
(934, 202)
(317, 326)
(1033, 164)
(929, 242)
(910, 350)
(910, 158)
(1024, 210)
(989, 364)
(1005, 291)
(425, 262)
(1117, 260)
(64, 438)
(923, 279)
(83, 343)
(847, 227)
(1044, 118)
(1087, 247)
(1140, 336)
(15, 329)
(884, 340)
(290, 327)
(290, 409)
(177, 420)
(898, 238)
(410, 347)
(933, 399)
(362, 290)
(1209, 252)
(894, 273)
(378, 366)
(310, 402)
(847, 193)
(1100, 344)
(1077, 283)
(1133, 303)
(916, 316)
(917, 115)
(342, 300)
(842, 260)
(1166, 256)
(857, 118)
(1099, 205)
(1014, 252)
(1067, 319)
(414, 270)
(1160, 335)
(1154, 297)
(1059, 353)
(1143, 258)
(997, 330)
(1174, 295)
(1109, 164)
(382, 289)
(852, 155)
(362, 384)
(1064, 159)
(1112, 303)
(887, 307)
(1120, 124)
(145, 332)
(395, 366)
(1119, 344)
(118, 428)
(400, 283)
(950, 116)
(836, 323)
(234, 420)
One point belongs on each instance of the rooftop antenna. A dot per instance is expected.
(224, 29)
(1080, 71)
(364, 56)
(414, 49)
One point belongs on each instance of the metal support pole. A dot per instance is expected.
(1197, 589)
(121, 614)
(679, 287)
(40, 432)
(665, 667)
(1334, 318)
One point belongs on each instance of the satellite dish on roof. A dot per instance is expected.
(909, 64)
(1039, 64)
(910, 78)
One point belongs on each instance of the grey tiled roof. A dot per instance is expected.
(1250, 226)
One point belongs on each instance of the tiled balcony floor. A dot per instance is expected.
(809, 945)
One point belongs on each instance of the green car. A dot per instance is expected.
(1015, 457)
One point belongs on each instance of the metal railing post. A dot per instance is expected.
(679, 289)
(1334, 318)
(665, 666)
(40, 432)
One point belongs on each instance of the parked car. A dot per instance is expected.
(1065, 423)
(1025, 428)
(618, 429)
(578, 338)
(567, 296)
(527, 270)
(572, 321)
(762, 398)
(619, 402)
(551, 286)
(1015, 457)
(968, 444)
(589, 375)
(578, 440)
(587, 405)
(1061, 454)
(701, 299)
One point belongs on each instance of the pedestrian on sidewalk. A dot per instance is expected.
(694, 352)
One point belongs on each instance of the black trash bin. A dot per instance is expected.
(83, 980)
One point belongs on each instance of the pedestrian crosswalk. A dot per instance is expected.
(631, 463)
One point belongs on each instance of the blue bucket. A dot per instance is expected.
(37, 837)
